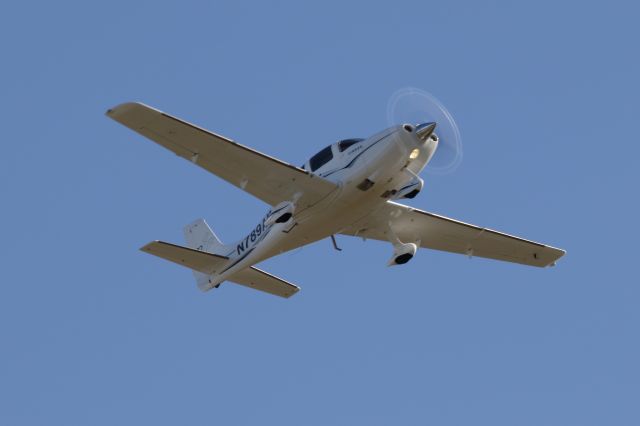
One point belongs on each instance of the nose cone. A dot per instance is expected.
(424, 130)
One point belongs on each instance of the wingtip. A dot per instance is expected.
(126, 107)
(118, 108)
(293, 292)
(559, 254)
(147, 247)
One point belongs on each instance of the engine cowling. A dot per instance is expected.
(402, 253)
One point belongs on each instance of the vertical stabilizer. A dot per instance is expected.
(200, 236)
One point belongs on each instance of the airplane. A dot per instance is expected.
(351, 187)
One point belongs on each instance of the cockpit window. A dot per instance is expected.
(321, 158)
(346, 143)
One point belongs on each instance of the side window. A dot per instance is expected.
(321, 158)
(344, 144)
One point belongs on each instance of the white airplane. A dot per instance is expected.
(347, 188)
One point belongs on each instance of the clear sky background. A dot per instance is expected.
(94, 332)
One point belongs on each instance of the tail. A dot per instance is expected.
(200, 236)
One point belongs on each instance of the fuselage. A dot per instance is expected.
(367, 172)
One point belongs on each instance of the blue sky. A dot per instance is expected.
(95, 332)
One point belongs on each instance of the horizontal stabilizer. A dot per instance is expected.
(260, 280)
(207, 263)
(210, 264)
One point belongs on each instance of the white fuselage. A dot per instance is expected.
(368, 173)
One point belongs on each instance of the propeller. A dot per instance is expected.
(416, 106)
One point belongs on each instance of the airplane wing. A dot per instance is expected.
(264, 177)
(210, 264)
(441, 233)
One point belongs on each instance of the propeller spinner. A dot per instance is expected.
(412, 105)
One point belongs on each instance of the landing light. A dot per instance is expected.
(414, 154)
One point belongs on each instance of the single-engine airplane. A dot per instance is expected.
(350, 187)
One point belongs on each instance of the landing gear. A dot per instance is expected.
(282, 213)
(402, 252)
(412, 194)
(284, 218)
(403, 258)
